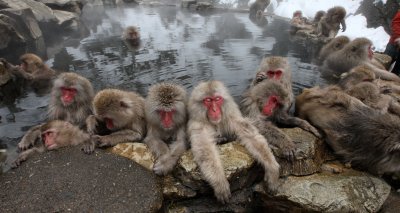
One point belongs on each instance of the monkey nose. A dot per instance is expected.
(373, 48)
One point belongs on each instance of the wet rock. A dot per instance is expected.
(350, 191)
(24, 22)
(67, 20)
(175, 190)
(137, 152)
(8, 34)
(65, 5)
(43, 14)
(310, 153)
(188, 3)
(392, 203)
(241, 201)
(68, 180)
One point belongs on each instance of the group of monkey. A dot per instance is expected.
(358, 116)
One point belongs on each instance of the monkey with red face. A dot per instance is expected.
(52, 135)
(212, 114)
(278, 69)
(166, 117)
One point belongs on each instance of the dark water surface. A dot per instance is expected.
(177, 45)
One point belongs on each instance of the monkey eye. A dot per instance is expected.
(217, 98)
(372, 48)
(207, 100)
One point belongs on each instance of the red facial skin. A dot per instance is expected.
(213, 105)
(166, 118)
(274, 74)
(67, 95)
(49, 138)
(370, 53)
(109, 123)
(270, 105)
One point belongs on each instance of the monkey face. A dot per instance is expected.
(270, 105)
(49, 138)
(213, 105)
(68, 95)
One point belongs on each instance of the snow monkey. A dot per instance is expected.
(122, 114)
(166, 118)
(278, 69)
(329, 24)
(334, 45)
(357, 52)
(264, 104)
(51, 135)
(71, 97)
(212, 114)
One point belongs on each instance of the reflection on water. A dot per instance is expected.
(177, 46)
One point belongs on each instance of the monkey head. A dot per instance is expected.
(336, 14)
(339, 42)
(114, 108)
(272, 68)
(211, 101)
(165, 105)
(31, 62)
(319, 15)
(54, 134)
(270, 97)
(72, 89)
(131, 33)
(360, 48)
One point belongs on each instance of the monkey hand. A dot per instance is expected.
(222, 192)
(21, 158)
(89, 146)
(24, 145)
(272, 186)
(288, 150)
(164, 165)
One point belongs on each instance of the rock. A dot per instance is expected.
(25, 23)
(67, 20)
(73, 6)
(69, 180)
(137, 152)
(350, 191)
(392, 203)
(188, 3)
(239, 168)
(310, 153)
(9, 36)
(43, 14)
(377, 13)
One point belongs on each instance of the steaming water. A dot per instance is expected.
(177, 45)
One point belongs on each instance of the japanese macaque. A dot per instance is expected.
(71, 98)
(334, 45)
(5, 73)
(49, 136)
(298, 22)
(329, 24)
(318, 15)
(213, 113)
(264, 104)
(357, 52)
(276, 68)
(131, 34)
(33, 68)
(166, 117)
(256, 10)
(121, 113)
(358, 134)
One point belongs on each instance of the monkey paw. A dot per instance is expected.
(89, 146)
(100, 141)
(222, 192)
(18, 161)
(289, 153)
(23, 146)
(164, 165)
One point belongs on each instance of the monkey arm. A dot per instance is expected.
(121, 136)
(343, 23)
(155, 144)
(206, 155)
(23, 156)
(30, 137)
(91, 123)
(384, 74)
(285, 119)
(167, 162)
(394, 107)
(277, 138)
(258, 147)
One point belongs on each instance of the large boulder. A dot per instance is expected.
(8, 33)
(24, 22)
(73, 6)
(350, 191)
(67, 21)
(69, 180)
(43, 14)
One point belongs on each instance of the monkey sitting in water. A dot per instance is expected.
(131, 36)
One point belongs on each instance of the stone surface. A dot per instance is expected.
(67, 20)
(392, 203)
(25, 23)
(350, 191)
(310, 153)
(175, 190)
(69, 180)
(41, 11)
(137, 152)
(8, 34)
(66, 5)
